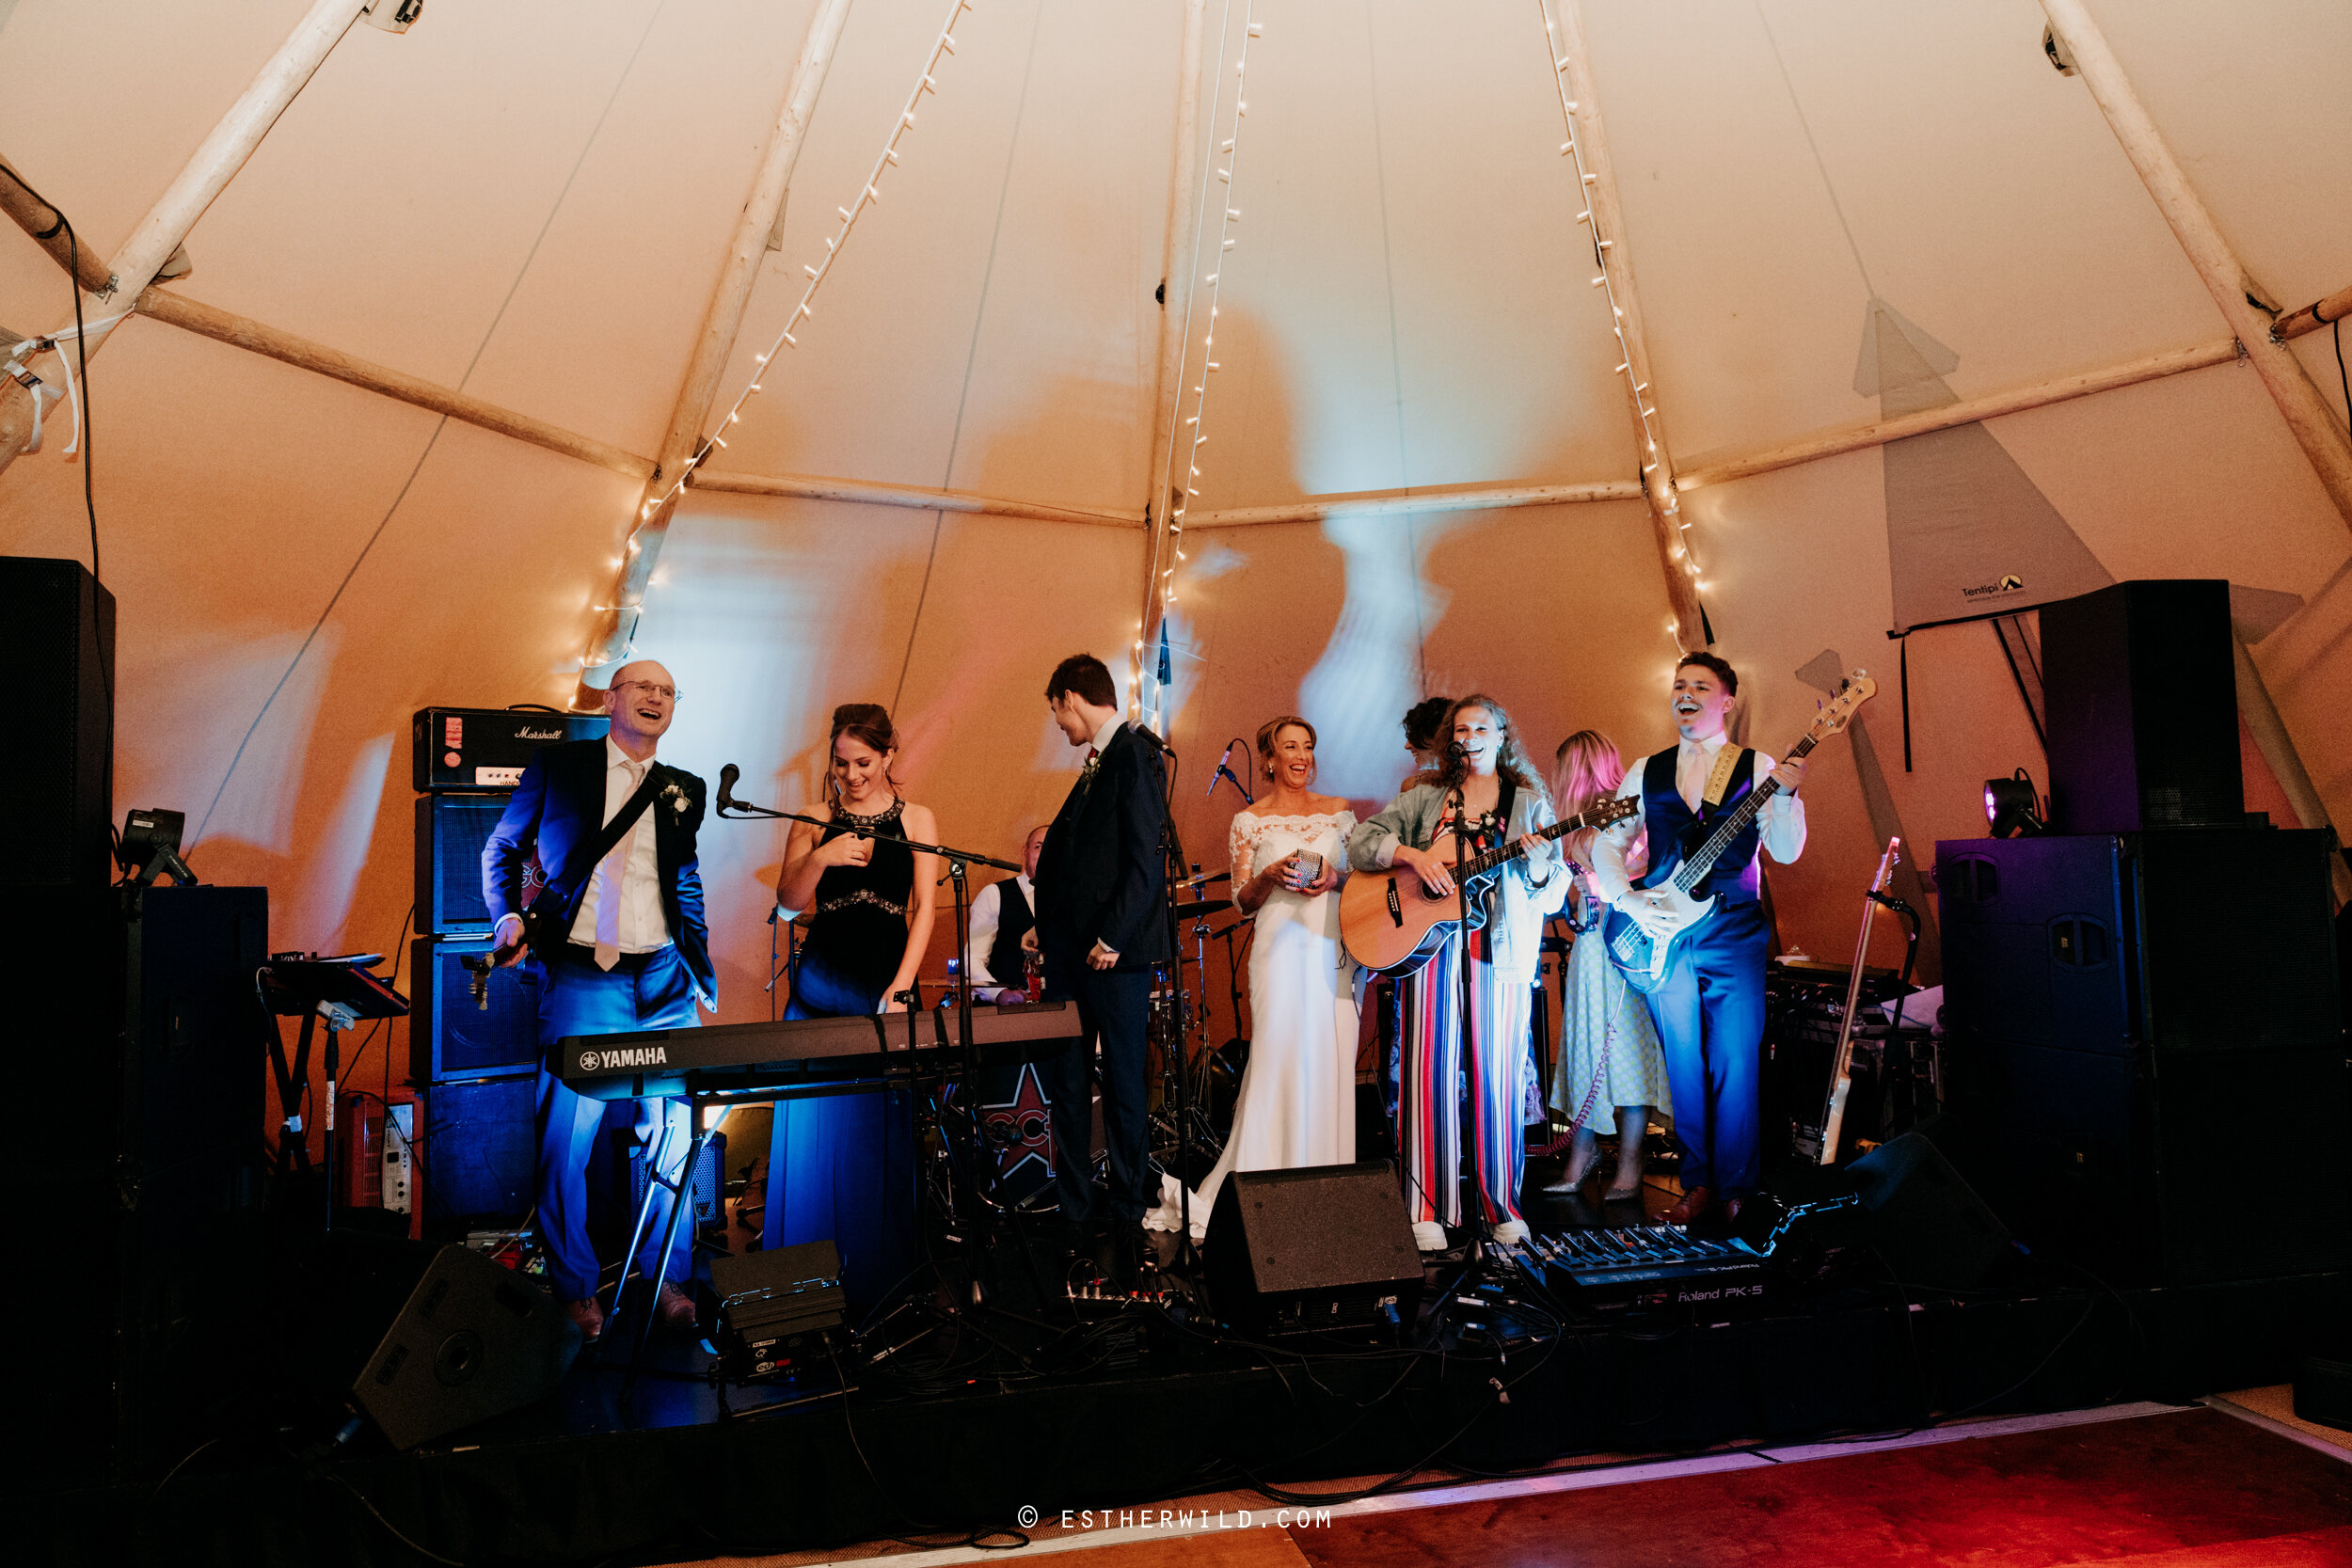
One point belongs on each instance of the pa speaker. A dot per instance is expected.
(475, 1341)
(2141, 687)
(58, 804)
(1929, 1227)
(1319, 1247)
(449, 1034)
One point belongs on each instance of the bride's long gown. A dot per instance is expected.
(1296, 1105)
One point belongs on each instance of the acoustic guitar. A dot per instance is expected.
(1676, 884)
(1392, 924)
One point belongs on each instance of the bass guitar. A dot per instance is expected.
(1392, 924)
(1820, 1145)
(1675, 882)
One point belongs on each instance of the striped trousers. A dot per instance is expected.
(1428, 1109)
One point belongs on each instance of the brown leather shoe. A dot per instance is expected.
(674, 1311)
(588, 1316)
(1689, 1207)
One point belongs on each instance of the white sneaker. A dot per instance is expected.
(1429, 1235)
(1511, 1232)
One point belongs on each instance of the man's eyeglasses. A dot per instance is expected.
(667, 693)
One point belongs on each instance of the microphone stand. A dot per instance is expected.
(960, 863)
(1466, 1109)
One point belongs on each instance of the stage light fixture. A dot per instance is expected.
(150, 847)
(2012, 808)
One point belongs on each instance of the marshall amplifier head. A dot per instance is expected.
(486, 748)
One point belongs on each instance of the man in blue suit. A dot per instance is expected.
(635, 955)
(1102, 924)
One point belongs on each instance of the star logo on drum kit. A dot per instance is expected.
(1021, 1129)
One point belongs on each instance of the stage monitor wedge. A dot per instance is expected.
(1316, 1248)
(475, 1341)
(2141, 697)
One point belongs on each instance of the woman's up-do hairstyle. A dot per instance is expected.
(1270, 732)
(869, 724)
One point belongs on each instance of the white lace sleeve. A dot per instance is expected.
(1238, 844)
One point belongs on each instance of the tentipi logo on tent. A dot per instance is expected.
(2012, 583)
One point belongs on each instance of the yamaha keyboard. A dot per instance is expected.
(744, 1058)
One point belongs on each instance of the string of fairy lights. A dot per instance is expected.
(926, 82)
(1603, 280)
(1224, 168)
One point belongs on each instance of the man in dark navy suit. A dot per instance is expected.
(635, 955)
(1102, 925)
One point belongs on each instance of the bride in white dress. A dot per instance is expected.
(1296, 1105)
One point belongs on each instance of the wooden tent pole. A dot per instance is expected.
(208, 321)
(1395, 503)
(208, 171)
(2306, 411)
(1176, 280)
(46, 226)
(2318, 314)
(1607, 220)
(715, 346)
(865, 493)
(231, 142)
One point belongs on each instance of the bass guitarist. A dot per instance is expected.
(1710, 1011)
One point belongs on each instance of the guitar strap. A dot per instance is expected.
(1719, 782)
(543, 919)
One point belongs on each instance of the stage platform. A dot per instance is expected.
(980, 1413)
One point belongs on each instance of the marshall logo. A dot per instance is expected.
(527, 734)
(2012, 583)
(635, 1056)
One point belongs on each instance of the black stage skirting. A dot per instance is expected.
(1198, 1418)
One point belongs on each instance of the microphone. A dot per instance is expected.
(727, 776)
(1225, 771)
(1455, 750)
(1145, 731)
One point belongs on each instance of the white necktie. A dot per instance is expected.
(609, 880)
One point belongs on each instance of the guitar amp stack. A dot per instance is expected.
(473, 1061)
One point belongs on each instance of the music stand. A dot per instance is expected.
(341, 991)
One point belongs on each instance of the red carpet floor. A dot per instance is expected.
(2194, 1490)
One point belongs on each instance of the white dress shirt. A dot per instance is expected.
(988, 914)
(642, 926)
(1780, 826)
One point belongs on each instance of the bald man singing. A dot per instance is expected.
(634, 954)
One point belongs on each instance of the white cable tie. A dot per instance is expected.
(845, 218)
(890, 156)
(1228, 145)
(1226, 174)
(1256, 29)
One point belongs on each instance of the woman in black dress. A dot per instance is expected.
(836, 1163)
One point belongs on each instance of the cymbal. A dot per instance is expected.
(1203, 906)
(1211, 877)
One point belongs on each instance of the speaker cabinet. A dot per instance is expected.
(452, 1037)
(2122, 1163)
(2217, 940)
(58, 802)
(479, 1147)
(476, 1339)
(2141, 689)
(452, 832)
(1319, 1247)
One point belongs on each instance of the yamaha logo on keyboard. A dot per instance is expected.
(640, 1055)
